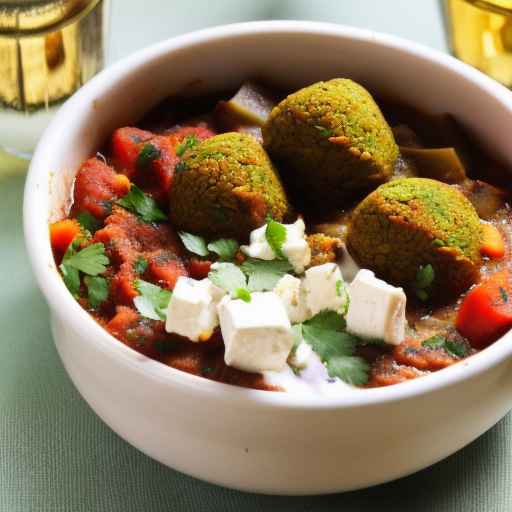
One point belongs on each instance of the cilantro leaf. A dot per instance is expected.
(227, 276)
(242, 294)
(147, 154)
(140, 265)
(335, 347)
(275, 233)
(97, 290)
(88, 222)
(142, 205)
(91, 261)
(225, 248)
(324, 132)
(350, 369)
(452, 348)
(424, 279)
(187, 143)
(71, 278)
(263, 275)
(194, 243)
(152, 301)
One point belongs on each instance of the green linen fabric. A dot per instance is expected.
(56, 455)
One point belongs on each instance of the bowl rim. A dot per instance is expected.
(37, 241)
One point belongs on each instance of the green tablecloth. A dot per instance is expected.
(56, 455)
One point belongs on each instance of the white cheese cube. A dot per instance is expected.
(192, 310)
(257, 334)
(295, 247)
(293, 296)
(325, 289)
(377, 309)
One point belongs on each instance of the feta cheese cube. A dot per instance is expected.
(325, 289)
(257, 334)
(295, 247)
(192, 310)
(293, 296)
(377, 309)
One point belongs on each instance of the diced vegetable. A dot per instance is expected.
(486, 312)
(493, 245)
(126, 145)
(62, 233)
(441, 164)
(487, 199)
(251, 105)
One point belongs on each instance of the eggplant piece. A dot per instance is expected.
(442, 164)
(406, 136)
(487, 199)
(247, 111)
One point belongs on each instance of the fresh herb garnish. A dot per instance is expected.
(341, 291)
(452, 348)
(97, 290)
(91, 260)
(275, 233)
(187, 143)
(194, 243)
(335, 347)
(225, 248)
(140, 265)
(242, 294)
(263, 275)
(229, 277)
(324, 132)
(503, 294)
(423, 284)
(141, 204)
(152, 301)
(88, 222)
(181, 166)
(147, 154)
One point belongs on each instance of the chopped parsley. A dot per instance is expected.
(181, 167)
(452, 348)
(229, 277)
(187, 143)
(275, 233)
(147, 154)
(97, 290)
(88, 222)
(263, 275)
(341, 291)
(194, 243)
(142, 205)
(326, 335)
(152, 301)
(225, 248)
(91, 261)
(324, 132)
(423, 284)
(242, 294)
(140, 265)
(503, 294)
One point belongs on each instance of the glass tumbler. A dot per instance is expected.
(480, 32)
(48, 49)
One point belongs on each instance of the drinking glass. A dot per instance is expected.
(480, 33)
(48, 49)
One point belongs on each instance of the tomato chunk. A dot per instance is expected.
(493, 244)
(486, 312)
(125, 148)
(62, 233)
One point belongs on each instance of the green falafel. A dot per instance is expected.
(332, 142)
(225, 187)
(410, 223)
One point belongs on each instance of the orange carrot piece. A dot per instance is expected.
(493, 245)
(486, 311)
(62, 233)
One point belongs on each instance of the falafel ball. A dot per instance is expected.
(225, 187)
(409, 223)
(332, 142)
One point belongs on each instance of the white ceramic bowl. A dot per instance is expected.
(255, 440)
